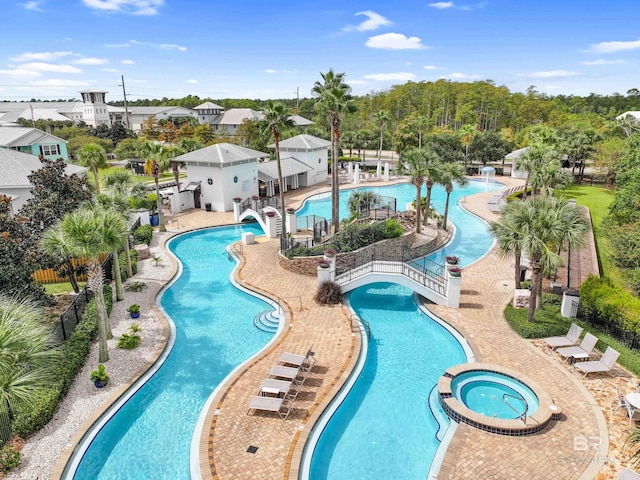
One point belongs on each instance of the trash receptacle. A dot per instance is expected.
(207, 207)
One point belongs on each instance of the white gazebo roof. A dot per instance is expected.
(220, 154)
(516, 153)
(268, 171)
(302, 142)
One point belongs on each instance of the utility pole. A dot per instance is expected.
(297, 99)
(126, 108)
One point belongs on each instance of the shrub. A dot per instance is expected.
(329, 293)
(392, 229)
(548, 322)
(135, 286)
(63, 370)
(9, 457)
(143, 234)
(128, 341)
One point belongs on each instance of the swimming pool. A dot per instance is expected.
(384, 426)
(149, 436)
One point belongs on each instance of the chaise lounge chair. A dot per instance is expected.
(295, 374)
(304, 362)
(585, 348)
(271, 404)
(627, 474)
(277, 387)
(571, 338)
(605, 364)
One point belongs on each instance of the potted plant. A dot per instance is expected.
(451, 260)
(237, 199)
(270, 213)
(291, 210)
(324, 263)
(455, 272)
(255, 198)
(134, 310)
(99, 377)
(330, 253)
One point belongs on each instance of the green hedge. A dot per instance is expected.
(143, 234)
(599, 296)
(64, 370)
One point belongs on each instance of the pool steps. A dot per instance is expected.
(267, 320)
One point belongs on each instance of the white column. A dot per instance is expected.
(386, 172)
(325, 275)
(379, 169)
(236, 211)
(350, 171)
(271, 227)
(292, 227)
(356, 174)
(453, 290)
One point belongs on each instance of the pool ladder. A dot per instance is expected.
(361, 322)
(522, 416)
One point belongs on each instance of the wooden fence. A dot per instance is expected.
(49, 275)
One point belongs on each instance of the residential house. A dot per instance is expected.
(33, 141)
(16, 168)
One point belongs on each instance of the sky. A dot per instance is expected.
(276, 49)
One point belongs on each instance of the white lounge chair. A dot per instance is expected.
(286, 388)
(605, 364)
(627, 474)
(571, 338)
(618, 402)
(305, 362)
(585, 348)
(271, 404)
(295, 374)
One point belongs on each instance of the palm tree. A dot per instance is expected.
(26, 350)
(333, 98)
(275, 118)
(420, 122)
(157, 161)
(381, 118)
(52, 244)
(449, 174)
(88, 233)
(466, 135)
(417, 163)
(121, 183)
(543, 223)
(509, 239)
(434, 165)
(93, 156)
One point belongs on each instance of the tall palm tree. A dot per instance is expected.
(26, 350)
(88, 233)
(276, 118)
(509, 239)
(449, 174)
(416, 163)
(120, 183)
(54, 246)
(544, 222)
(467, 133)
(381, 119)
(157, 160)
(434, 165)
(420, 123)
(93, 156)
(334, 99)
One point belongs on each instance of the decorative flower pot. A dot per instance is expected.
(100, 384)
(135, 315)
(270, 214)
(154, 219)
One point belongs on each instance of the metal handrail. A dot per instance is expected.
(361, 322)
(234, 249)
(522, 416)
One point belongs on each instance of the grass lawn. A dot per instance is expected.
(597, 200)
(147, 179)
(56, 288)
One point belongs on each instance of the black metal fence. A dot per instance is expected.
(379, 207)
(606, 325)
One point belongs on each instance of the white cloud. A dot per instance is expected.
(385, 77)
(133, 7)
(441, 5)
(33, 5)
(549, 74)
(270, 70)
(373, 22)
(50, 67)
(356, 82)
(602, 61)
(110, 70)
(20, 73)
(55, 82)
(395, 41)
(91, 61)
(40, 56)
(612, 47)
(461, 76)
(163, 46)
(117, 45)
(127, 62)
(193, 81)
(433, 67)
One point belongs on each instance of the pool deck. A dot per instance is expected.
(564, 450)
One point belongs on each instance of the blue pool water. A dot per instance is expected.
(149, 437)
(385, 426)
(483, 392)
